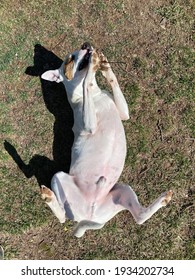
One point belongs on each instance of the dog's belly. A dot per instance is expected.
(98, 159)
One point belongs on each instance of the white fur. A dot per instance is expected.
(90, 194)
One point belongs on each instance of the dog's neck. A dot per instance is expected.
(75, 89)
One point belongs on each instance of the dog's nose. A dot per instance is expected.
(85, 46)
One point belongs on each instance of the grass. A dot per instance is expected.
(157, 78)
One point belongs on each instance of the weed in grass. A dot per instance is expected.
(3, 156)
(101, 253)
(179, 79)
(6, 128)
(188, 119)
(46, 248)
(100, 5)
(133, 91)
(189, 244)
(10, 252)
(172, 11)
(137, 63)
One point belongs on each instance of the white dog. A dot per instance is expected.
(90, 194)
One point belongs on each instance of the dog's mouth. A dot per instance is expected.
(85, 61)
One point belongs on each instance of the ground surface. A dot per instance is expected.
(152, 43)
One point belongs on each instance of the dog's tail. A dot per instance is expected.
(85, 225)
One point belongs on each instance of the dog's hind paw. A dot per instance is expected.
(46, 194)
(167, 198)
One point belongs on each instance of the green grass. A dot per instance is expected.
(174, 12)
(155, 69)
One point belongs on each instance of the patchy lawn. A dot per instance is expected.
(150, 46)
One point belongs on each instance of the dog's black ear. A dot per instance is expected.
(43, 60)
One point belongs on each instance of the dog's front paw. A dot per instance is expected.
(104, 64)
(95, 60)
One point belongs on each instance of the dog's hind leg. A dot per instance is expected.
(119, 99)
(53, 203)
(124, 195)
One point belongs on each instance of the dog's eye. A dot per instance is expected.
(73, 57)
(69, 58)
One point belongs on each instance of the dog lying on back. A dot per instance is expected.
(90, 194)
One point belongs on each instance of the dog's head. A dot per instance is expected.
(74, 66)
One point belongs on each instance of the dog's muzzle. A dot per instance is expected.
(85, 61)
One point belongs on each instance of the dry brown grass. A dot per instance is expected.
(154, 39)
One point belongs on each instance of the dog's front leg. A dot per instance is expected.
(89, 87)
(119, 99)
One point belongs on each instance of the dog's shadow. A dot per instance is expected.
(55, 99)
